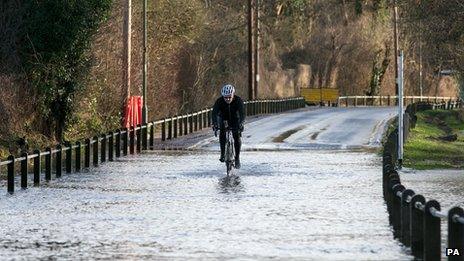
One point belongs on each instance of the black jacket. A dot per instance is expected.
(233, 112)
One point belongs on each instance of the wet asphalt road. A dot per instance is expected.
(308, 203)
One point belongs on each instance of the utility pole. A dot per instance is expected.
(395, 35)
(420, 60)
(250, 51)
(145, 61)
(127, 34)
(257, 35)
(400, 83)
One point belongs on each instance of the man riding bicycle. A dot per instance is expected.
(229, 108)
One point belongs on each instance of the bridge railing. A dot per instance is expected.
(416, 221)
(389, 100)
(114, 144)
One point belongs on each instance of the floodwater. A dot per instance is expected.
(300, 195)
(299, 205)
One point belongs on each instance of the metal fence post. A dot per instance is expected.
(103, 148)
(417, 226)
(180, 121)
(190, 123)
(139, 138)
(152, 136)
(58, 160)
(170, 129)
(111, 146)
(125, 140)
(132, 140)
(24, 163)
(195, 122)
(145, 137)
(176, 127)
(210, 115)
(186, 125)
(95, 151)
(205, 118)
(200, 120)
(68, 158)
(432, 233)
(163, 130)
(87, 153)
(48, 164)
(37, 168)
(11, 172)
(78, 156)
(456, 233)
(396, 211)
(405, 217)
(118, 143)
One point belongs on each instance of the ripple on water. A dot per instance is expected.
(177, 205)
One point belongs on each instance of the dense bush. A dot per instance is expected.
(55, 39)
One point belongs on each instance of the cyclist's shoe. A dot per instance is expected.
(237, 163)
(222, 159)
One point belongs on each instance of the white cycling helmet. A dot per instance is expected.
(227, 90)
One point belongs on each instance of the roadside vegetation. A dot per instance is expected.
(437, 142)
(61, 60)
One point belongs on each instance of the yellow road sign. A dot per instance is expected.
(314, 95)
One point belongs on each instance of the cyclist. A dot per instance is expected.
(229, 107)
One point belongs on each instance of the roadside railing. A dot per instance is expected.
(416, 222)
(389, 100)
(114, 144)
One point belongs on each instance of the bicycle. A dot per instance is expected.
(229, 153)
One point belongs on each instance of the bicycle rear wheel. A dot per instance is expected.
(229, 156)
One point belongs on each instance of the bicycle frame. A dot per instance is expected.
(229, 153)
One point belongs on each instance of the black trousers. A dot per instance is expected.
(237, 141)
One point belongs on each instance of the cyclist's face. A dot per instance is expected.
(229, 99)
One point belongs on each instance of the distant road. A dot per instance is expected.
(310, 128)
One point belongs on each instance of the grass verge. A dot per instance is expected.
(425, 149)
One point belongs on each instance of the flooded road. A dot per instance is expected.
(311, 204)
(305, 205)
